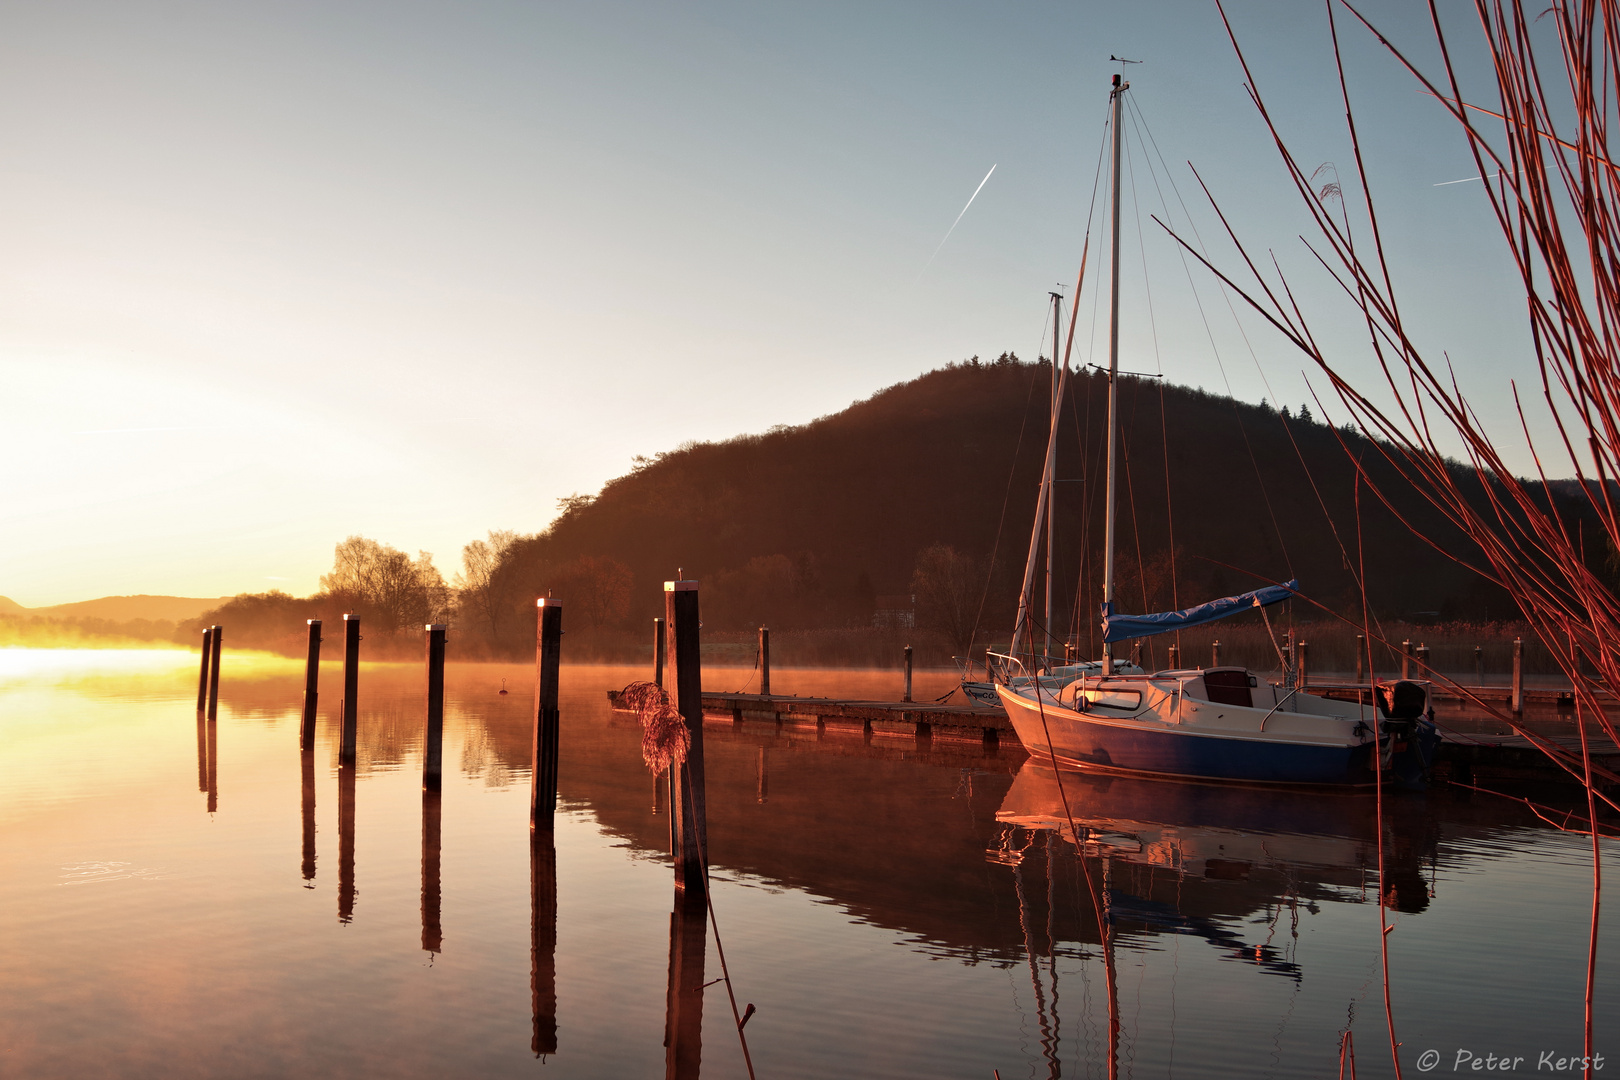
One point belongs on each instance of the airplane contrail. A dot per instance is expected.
(957, 222)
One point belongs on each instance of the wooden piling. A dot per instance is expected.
(1421, 654)
(213, 672)
(1361, 657)
(1479, 664)
(1406, 658)
(1304, 664)
(312, 686)
(1215, 653)
(1174, 652)
(202, 675)
(765, 661)
(687, 811)
(433, 748)
(351, 689)
(1517, 700)
(659, 647)
(907, 695)
(547, 719)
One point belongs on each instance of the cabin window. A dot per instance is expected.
(1125, 700)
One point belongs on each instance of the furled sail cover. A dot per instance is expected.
(1124, 627)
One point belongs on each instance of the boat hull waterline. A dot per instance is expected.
(1152, 748)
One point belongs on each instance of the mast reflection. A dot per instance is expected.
(543, 943)
(307, 807)
(432, 929)
(683, 1022)
(346, 889)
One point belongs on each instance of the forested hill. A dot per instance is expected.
(812, 525)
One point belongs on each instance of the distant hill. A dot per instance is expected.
(121, 608)
(811, 524)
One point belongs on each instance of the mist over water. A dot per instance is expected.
(192, 899)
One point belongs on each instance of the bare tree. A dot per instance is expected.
(384, 584)
(475, 583)
(946, 585)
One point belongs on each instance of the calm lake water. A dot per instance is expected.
(183, 902)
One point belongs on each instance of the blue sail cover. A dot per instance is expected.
(1125, 627)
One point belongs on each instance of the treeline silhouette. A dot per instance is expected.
(917, 503)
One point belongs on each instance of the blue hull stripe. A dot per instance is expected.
(1176, 754)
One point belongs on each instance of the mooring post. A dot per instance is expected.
(1215, 653)
(547, 720)
(202, 675)
(765, 661)
(1290, 660)
(687, 811)
(312, 686)
(1361, 657)
(433, 752)
(1423, 660)
(1304, 664)
(1479, 664)
(351, 689)
(213, 672)
(907, 662)
(1406, 658)
(658, 652)
(1174, 656)
(1518, 676)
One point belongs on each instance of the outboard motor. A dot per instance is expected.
(1408, 722)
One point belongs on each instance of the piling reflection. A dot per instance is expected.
(543, 942)
(306, 765)
(432, 929)
(683, 1022)
(346, 890)
(202, 751)
(213, 764)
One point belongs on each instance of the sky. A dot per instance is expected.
(276, 274)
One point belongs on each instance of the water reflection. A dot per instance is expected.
(432, 929)
(543, 942)
(306, 765)
(1194, 859)
(212, 764)
(346, 890)
(683, 1023)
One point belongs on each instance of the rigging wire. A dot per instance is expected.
(1209, 331)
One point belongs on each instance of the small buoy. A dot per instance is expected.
(503, 686)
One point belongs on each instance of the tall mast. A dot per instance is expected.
(1051, 463)
(1120, 87)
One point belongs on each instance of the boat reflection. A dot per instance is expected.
(1221, 853)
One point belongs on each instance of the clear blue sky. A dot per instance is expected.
(271, 274)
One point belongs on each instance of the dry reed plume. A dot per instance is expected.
(664, 737)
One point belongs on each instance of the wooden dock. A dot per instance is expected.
(921, 719)
(1462, 757)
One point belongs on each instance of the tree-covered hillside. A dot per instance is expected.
(813, 526)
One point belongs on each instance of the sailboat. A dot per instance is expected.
(1218, 723)
(1049, 670)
